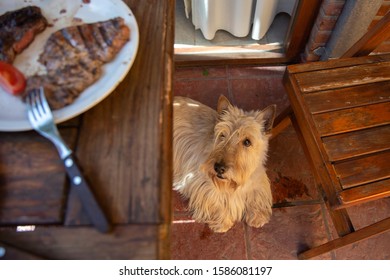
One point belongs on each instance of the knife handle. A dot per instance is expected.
(85, 194)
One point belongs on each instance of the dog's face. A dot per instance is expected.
(240, 144)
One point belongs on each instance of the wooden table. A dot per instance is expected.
(124, 148)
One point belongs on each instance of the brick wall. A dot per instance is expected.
(325, 23)
(326, 20)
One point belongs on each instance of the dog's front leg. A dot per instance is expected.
(257, 219)
(258, 211)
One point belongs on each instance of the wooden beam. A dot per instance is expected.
(359, 235)
(376, 35)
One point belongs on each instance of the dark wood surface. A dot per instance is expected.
(352, 134)
(123, 146)
(301, 25)
(342, 111)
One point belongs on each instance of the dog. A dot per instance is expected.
(219, 162)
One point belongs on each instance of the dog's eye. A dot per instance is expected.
(247, 142)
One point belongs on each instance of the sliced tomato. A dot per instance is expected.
(11, 79)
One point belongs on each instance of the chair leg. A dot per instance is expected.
(341, 221)
(356, 236)
(339, 217)
(282, 121)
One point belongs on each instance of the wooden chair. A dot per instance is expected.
(341, 111)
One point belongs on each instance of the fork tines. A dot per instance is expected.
(35, 98)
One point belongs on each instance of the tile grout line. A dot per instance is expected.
(296, 203)
(248, 248)
(327, 228)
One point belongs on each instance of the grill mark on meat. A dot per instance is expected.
(63, 44)
(105, 36)
(57, 52)
(78, 76)
(92, 68)
(116, 23)
(104, 53)
(98, 37)
(93, 43)
(57, 42)
(18, 29)
(112, 27)
(109, 29)
(85, 41)
(64, 39)
(57, 96)
(87, 38)
(73, 57)
(73, 36)
(104, 50)
(54, 59)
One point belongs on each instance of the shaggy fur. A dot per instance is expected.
(219, 159)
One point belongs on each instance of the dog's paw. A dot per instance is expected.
(220, 228)
(257, 220)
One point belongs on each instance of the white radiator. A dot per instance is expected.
(236, 16)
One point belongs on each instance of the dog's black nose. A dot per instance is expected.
(219, 168)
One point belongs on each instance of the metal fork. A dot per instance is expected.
(41, 119)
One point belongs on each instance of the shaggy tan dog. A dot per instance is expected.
(219, 159)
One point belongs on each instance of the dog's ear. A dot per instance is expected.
(267, 117)
(223, 104)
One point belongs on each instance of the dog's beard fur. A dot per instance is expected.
(219, 162)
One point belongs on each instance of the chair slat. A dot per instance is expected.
(363, 170)
(337, 78)
(337, 63)
(330, 100)
(332, 123)
(364, 193)
(357, 143)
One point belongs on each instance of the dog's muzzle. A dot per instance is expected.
(220, 169)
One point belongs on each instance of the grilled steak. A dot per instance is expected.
(18, 29)
(73, 57)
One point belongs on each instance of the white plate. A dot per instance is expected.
(63, 13)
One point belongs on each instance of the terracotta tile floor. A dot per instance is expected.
(299, 218)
